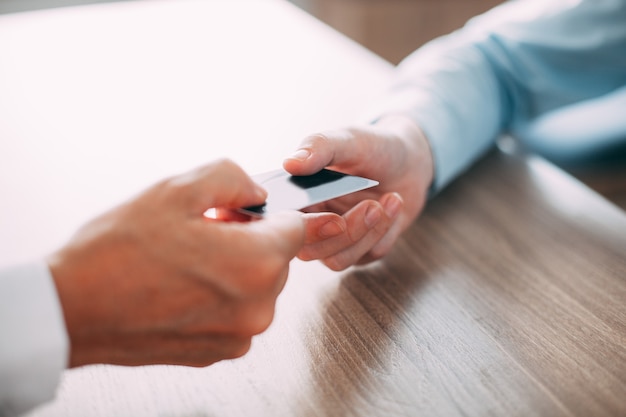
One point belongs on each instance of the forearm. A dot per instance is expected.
(450, 91)
(505, 71)
(415, 146)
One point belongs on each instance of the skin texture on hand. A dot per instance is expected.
(154, 281)
(362, 227)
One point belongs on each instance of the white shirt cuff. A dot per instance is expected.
(35, 345)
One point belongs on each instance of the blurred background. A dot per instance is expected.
(392, 29)
(12, 6)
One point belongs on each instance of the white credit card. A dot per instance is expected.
(289, 192)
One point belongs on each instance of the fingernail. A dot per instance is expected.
(392, 206)
(301, 154)
(372, 216)
(331, 229)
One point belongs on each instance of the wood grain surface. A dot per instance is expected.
(505, 298)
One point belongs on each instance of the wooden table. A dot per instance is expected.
(507, 297)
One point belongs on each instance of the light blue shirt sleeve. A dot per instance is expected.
(550, 72)
(34, 343)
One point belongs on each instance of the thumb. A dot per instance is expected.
(344, 149)
(220, 184)
(287, 228)
(315, 152)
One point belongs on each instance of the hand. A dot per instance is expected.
(154, 281)
(362, 227)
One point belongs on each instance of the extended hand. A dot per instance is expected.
(155, 282)
(362, 227)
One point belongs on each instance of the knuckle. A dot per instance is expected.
(223, 161)
(335, 263)
(316, 140)
(378, 252)
(224, 164)
(307, 254)
(187, 180)
(257, 320)
(257, 279)
(200, 362)
(273, 271)
(178, 186)
(239, 349)
(171, 183)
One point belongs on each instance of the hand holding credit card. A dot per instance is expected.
(289, 192)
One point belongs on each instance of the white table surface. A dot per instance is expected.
(98, 102)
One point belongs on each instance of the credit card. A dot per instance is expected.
(291, 192)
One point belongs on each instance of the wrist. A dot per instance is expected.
(415, 140)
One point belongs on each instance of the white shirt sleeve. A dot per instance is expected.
(34, 342)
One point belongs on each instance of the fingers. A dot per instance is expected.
(394, 152)
(287, 229)
(280, 234)
(221, 184)
(148, 280)
(364, 233)
(251, 259)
